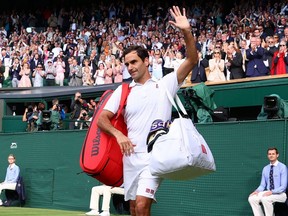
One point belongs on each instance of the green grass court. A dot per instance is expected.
(15, 211)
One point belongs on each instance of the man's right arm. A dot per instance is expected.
(263, 183)
(261, 186)
(191, 59)
(104, 123)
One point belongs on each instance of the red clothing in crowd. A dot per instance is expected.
(278, 64)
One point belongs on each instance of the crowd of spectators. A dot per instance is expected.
(84, 45)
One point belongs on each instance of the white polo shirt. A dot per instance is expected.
(145, 104)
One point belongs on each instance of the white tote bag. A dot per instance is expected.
(182, 153)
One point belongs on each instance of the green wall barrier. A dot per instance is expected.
(13, 124)
(248, 93)
(49, 163)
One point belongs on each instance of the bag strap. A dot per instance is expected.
(177, 104)
(124, 94)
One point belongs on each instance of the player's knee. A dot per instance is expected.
(142, 207)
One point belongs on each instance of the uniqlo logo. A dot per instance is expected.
(151, 191)
(204, 151)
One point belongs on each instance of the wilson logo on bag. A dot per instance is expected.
(101, 157)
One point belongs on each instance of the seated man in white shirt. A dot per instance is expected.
(12, 175)
(106, 191)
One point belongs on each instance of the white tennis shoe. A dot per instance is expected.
(105, 213)
(92, 213)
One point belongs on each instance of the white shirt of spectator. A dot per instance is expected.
(176, 63)
(125, 74)
(168, 62)
(56, 51)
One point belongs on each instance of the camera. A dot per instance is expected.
(59, 106)
(271, 106)
(30, 109)
(83, 115)
(77, 100)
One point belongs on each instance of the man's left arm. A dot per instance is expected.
(283, 179)
(191, 59)
(6, 177)
(16, 174)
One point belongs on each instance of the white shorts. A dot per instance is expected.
(138, 180)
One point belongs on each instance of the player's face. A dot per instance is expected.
(136, 67)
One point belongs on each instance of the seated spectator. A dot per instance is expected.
(280, 60)
(216, 67)
(106, 191)
(272, 187)
(11, 177)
